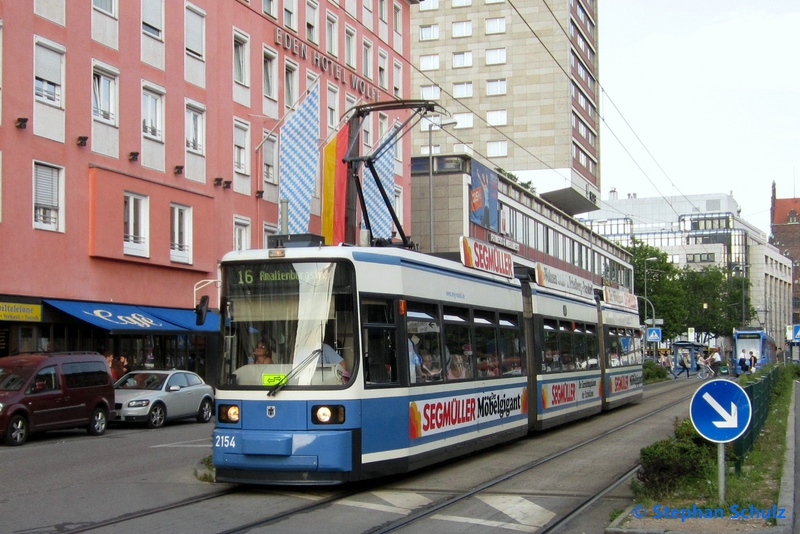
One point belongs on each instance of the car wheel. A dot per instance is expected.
(17, 432)
(99, 423)
(206, 411)
(157, 416)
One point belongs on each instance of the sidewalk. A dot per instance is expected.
(788, 499)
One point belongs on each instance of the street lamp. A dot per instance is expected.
(440, 124)
(645, 287)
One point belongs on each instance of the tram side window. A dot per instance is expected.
(592, 360)
(635, 349)
(379, 335)
(579, 343)
(424, 354)
(613, 348)
(551, 361)
(565, 346)
(486, 350)
(459, 358)
(511, 347)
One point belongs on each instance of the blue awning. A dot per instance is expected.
(124, 318)
(185, 318)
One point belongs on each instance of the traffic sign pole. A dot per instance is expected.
(720, 411)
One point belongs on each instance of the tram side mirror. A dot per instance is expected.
(201, 310)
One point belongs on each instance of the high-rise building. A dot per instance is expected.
(706, 230)
(520, 80)
(140, 140)
(785, 227)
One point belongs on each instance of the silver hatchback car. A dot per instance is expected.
(153, 397)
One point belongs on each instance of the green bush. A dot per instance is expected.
(674, 463)
(654, 372)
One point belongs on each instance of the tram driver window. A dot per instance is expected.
(380, 345)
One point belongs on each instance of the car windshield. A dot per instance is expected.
(289, 323)
(13, 378)
(151, 381)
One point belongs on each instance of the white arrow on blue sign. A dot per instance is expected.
(653, 334)
(796, 332)
(720, 410)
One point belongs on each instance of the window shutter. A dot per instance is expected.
(46, 187)
(151, 13)
(194, 32)
(48, 64)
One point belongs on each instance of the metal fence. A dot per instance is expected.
(760, 392)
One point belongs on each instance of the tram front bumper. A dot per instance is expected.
(283, 451)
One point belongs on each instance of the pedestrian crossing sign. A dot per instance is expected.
(796, 332)
(653, 334)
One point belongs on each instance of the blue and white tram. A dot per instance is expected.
(384, 361)
(757, 341)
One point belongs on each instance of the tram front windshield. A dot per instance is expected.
(288, 324)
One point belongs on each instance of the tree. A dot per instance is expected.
(663, 288)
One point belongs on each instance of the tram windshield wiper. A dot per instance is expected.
(317, 353)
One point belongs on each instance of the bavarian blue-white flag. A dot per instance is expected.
(379, 217)
(299, 161)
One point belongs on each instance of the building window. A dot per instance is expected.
(462, 59)
(498, 117)
(136, 224)
(367, 53)
(793, 217)
(106, 6)
(47, 194)
(195, 128)
(383, 66)
(497, 25)
(429, 5)
(270, 74)
(397, 80)
(180, 233)
(240, 58)
(464, 120)
(350, 47)
(312, 21)
(153, 17)
(462, 90)
(496, 149)
(290, 82)
(496, 87)
(48, 74)
(398, 19)
(429, 62)
(496, 56)
(195, 32)
(462, 28)
(268, 7)
(104, 95)
(152, 114)
(289, 11)
(332, 35)
(366, 132)
(429, 92)
(333, 108)
(428, 32)
(383, 11)
(269, 149)
(241, 233)
(241, 147)
(462, 3)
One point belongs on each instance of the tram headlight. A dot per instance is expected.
(327, 414)
(228, 413)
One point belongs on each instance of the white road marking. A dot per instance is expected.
(520, 509)
(484, 522)
(403, 499)
(373, 506)
(206, 442)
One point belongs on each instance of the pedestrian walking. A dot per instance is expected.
(685, 363)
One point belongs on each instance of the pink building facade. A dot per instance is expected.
(140, 141)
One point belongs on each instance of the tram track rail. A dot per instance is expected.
(414, 516)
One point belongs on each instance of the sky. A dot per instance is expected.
(700, 96)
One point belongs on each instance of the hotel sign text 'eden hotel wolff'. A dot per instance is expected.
(327, 65)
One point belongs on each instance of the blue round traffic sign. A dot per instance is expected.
(720, 410)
